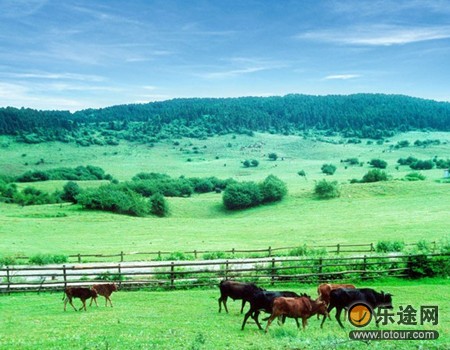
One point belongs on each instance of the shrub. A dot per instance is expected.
(33, 196)
(242, 195)
(415, 176)
(328, 169)
(272, 189)
(273, 156)
(327, 190)
(428, 266)
(45, 259)
(301, 173)
(115, 199)
(422, 165)
(158, 205)
(378, 163)
(254, 163)
(7, 260)
(375, 175)
(246, 163)
(389, 246)
(70, 191)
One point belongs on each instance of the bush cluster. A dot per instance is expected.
(378, 163)
(327, 189)
(244, 195)
(45, 259)
(328, 169)
(79, 173)
(389, 246)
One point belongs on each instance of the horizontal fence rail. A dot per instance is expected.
(231, 253)
(185, 274)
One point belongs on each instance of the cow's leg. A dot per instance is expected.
(323, 320)
(93, 299)
(247, 315)
(223, 299)
(255, 317)
(110, 302)
(269, 321)
(243, 304)
(304, 322)
(84, 305)
(338, 316)
(296, 321)
(71, 303)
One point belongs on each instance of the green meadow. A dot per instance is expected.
(365, 213)
(189, 319)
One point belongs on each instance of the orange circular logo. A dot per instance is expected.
(360, 315)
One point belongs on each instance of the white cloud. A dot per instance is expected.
(378, 35)
(341, 76)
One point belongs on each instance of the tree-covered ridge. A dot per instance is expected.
(361, 115)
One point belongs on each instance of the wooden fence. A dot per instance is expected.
(232, 253)
(201, 273)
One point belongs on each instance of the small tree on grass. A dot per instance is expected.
(327, 189)
(378, 163)
(273, 156)
(242, 195)
(272, 189)
(375, 175)
(158, 205)
(328, 169)
(70, 191)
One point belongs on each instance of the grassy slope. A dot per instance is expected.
(189, 320)
(364, 213)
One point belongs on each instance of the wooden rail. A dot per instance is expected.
(183, 274)
(233, 253)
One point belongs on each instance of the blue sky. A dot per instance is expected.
(72, 55)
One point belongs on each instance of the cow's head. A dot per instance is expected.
(386, 299)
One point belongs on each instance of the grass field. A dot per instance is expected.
(364, 213)
(190, 320)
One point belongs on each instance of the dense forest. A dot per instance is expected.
(361, 115)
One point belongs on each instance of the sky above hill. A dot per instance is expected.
(72, 55)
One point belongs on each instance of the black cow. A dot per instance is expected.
(236, 290)
(345, 298)
(263, 301)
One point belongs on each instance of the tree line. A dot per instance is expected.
(361, 115)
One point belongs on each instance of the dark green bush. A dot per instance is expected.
(242, 195)
(328, 169)
(7, 260)
(375, 175)
(378, 163)
(428, 266)
(70, 191)
(327, 190)
(45, 259)
(115, 199)
(389, 246)
(158, 205)
(272, 189)
(415, 176)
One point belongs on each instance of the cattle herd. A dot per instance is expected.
(86, 293)
(279, 304)
(284, 304)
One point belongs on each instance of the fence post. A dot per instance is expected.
(226, 269)
(195, 254)
(338, 248)
(372, 249)
(272, 273)
(8, 280)
(159, 255)
(65, 276)
(364, 274)
(79, 258)
(270, 251)
(320, 268)
(172, 275)
(120, 275)
(232, 251)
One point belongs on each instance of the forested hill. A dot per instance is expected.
(362, 115)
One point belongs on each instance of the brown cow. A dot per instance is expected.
(104, 290)
(302, 307)
(78, 292)
(325, 289)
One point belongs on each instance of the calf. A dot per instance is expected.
(236, 290)
(344, 298)
(303, 307)
(262, 301)
(104, 290)
(78, 292)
